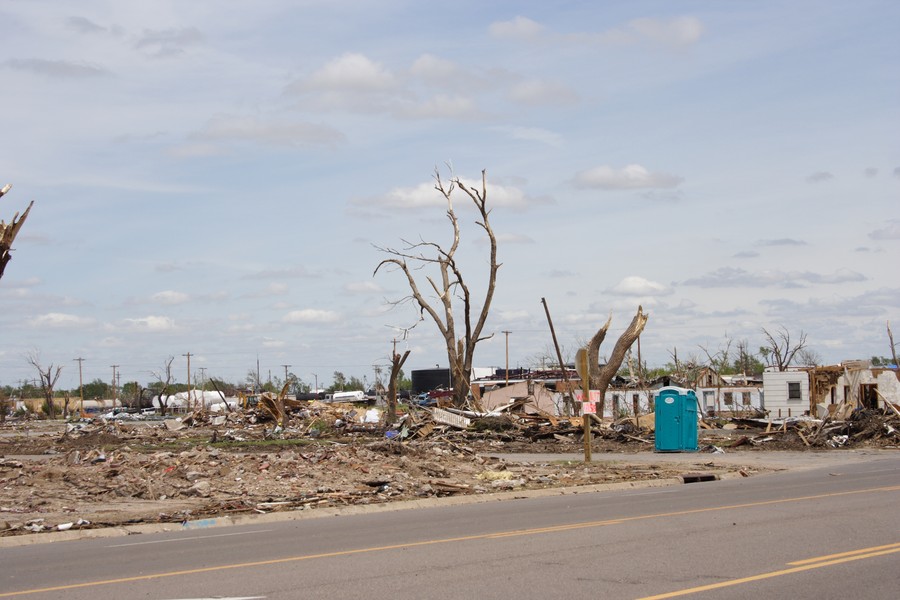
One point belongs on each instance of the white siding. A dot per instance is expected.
(775, 392)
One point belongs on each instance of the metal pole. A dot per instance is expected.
(80, 383)
(285, 373)
(190, 398)
(115, 391)
(507, 357)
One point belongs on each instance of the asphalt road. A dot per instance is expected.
(830, 532)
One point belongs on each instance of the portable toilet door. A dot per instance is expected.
(676, 420)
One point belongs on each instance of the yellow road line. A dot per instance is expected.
(815, 563)
(842, 554)
(480, 536)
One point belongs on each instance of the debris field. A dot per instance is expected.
(110, 471)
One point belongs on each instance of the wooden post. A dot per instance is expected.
(582, 358)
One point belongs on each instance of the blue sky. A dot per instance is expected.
(213, 177)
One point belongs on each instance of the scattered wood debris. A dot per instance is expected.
(298, 455)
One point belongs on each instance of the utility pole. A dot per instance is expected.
(115, 391)
(285, 373)
(507, 356)
(80, 360)
(202, 379)
(316, 391)
(565, 372)
(190, 396)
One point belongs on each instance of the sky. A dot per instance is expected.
(215, 178)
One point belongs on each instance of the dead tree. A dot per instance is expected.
(779, 350)
(164, 377)
(717, 364)
(601, 376)
(8, 232)
(48, 378)
(396, 365)
(439, 268)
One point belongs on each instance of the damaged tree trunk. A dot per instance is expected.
(8, 232)
(396, 364)
(600, 377)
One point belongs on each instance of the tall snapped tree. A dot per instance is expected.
(8, 232)
(438, 287)
(601, 376)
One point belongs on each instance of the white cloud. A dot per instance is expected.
(628, 178)
(56, 68)
(196, 150)
(420, 196)
(277, 289)
(151, 323)
(232, 128)
(425, 196)
(168, 42)
(781, 242)
(535, 92)
(442, 107)
(678, 31)
(311, 315)
(891, 231)
(513, 315)
(638, 286)
(273, 343)
(61, 320)
(435, 69)
(112, 342)
(533, 134)
(519, 27)
(351, 72)
(363, 287)
(514, 238)
(731, 277)
(170, 297)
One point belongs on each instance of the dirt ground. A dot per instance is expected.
(101, 473)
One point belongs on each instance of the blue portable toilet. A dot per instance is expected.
(676, 420)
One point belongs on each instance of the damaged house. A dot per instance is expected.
(818, 391)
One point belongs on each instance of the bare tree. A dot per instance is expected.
(717, 363)
(809, 357)
(164, 377)
(779, 351)
(8, 232)
(443, 274)
(48, 377)
(601, 376)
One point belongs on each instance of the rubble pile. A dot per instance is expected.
(841, 428)
(288, 455)
(96, 487)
